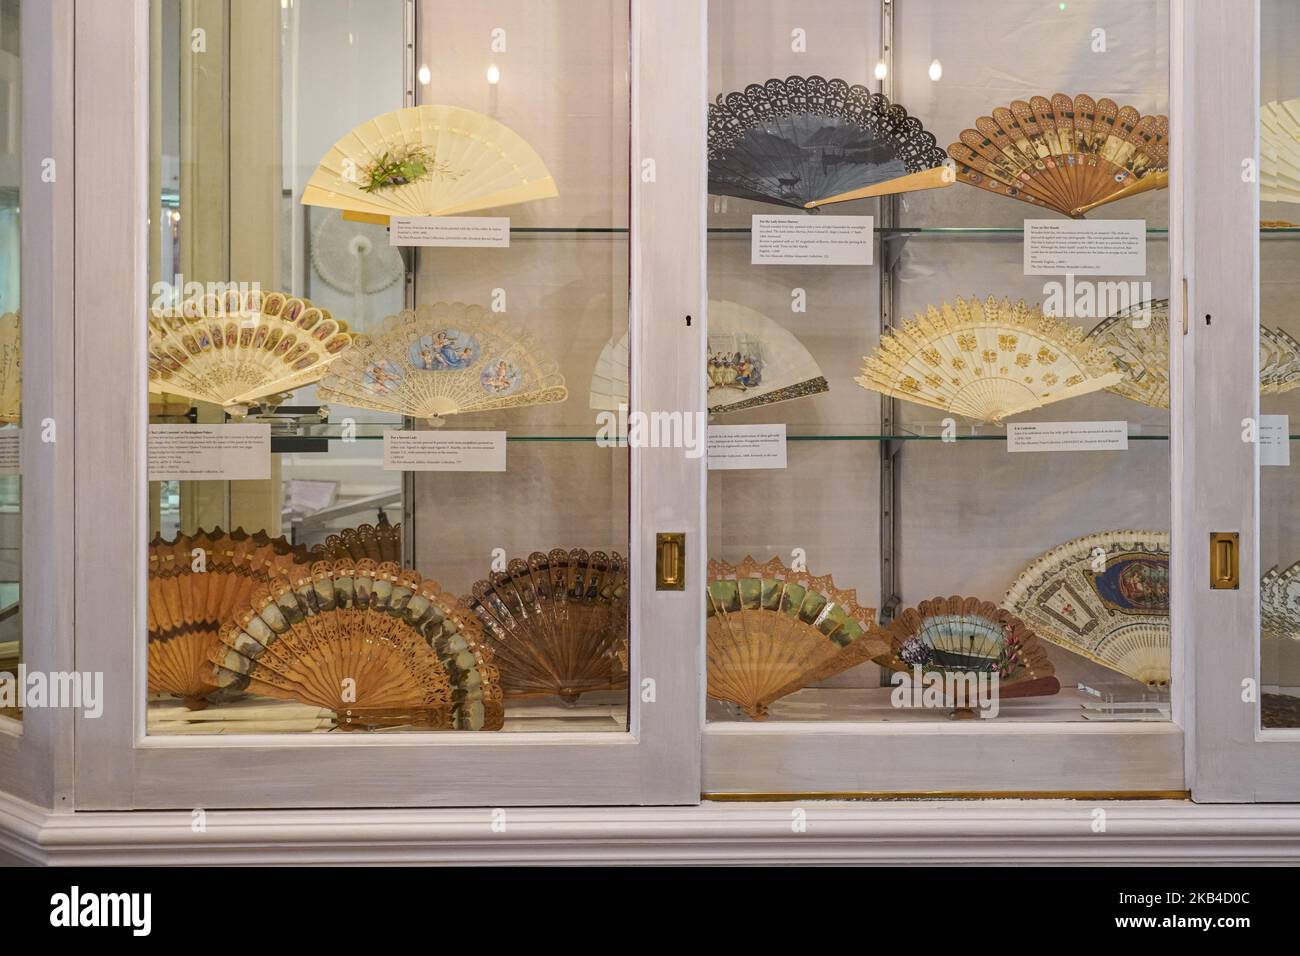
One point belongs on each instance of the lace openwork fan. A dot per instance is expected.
(440, 360)
(557, 623)
(196, 584)
(377, 645)
(806, 142)
(1068, 155)
(752, 361)
(1279, 603)
(772, 631)
(381, 542)
(1137, 340)
(11, 368)
(1104, 596)
(965, 635)
(429, 161)
(235, 351)
(1279, 148)
(986, 361)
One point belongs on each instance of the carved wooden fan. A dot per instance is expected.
(11, 369)
(444, 359)
(1279, 150)
(752, 361)
(557, 623)
(1104, 596)
(807, 142)
(962, 635)
(379, 542)
(1137, 340)
(377, 645)
(986, 361)
(772, 631)
(1068, 155)
(196, 584)
(235, 351)
(429, 161)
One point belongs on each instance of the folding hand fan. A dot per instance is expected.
(1137, 340)
(1067, 155)
(234, 352)
(987, 361)
(772, 631)
(806, 142)
(11, 369)
(196, 584)
(355, 258)
(445, 359)
(752, 361)
(1279, 151)
(1279, 593)
(960, 635)
(381, 542)
(429, 161)
(1104, 596)
(377, 645)
(1279, 710)
(557, 623)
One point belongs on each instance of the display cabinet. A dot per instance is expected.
(693, 404)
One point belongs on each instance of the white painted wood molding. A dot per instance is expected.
(885, 833)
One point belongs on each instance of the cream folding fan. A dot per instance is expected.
(1137, 340)
(1279, 151)
(1069, 155)
(234, 350)
(1104, 596)
(986, 361)
(444, 359)
(752, 361)
(772, 631)
(11, 368)
(429, 161)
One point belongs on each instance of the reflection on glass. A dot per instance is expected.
(434, 539)
(1279, 360)
(10, 336)
(907, 561)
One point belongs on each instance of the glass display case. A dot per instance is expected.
(588, 403)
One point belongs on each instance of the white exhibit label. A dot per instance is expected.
(472, 232)
(1274, 440)
(1108, 247)
(746, 446)
(11, 451)
(811, 240)
(1067, 436)
(209, 452)
(444, 451)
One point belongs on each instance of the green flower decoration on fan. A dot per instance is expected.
(405, 166)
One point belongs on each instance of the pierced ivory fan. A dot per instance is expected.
(1067, 155)
(557, 623)
(806, 142)
(11, 368)
(1118, 617)
(1279, 149)
(235, 351)
(187, 607)
(429, 161)
(961, 635)
(1137, 340)
(381, 542)
(752, 361)
(772, 631)
(394, 640)
(1279, 599)
(444, 359)
(986, 361)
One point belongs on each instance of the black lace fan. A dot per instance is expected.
(808, 141)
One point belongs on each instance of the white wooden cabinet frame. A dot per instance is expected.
(85, 562)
